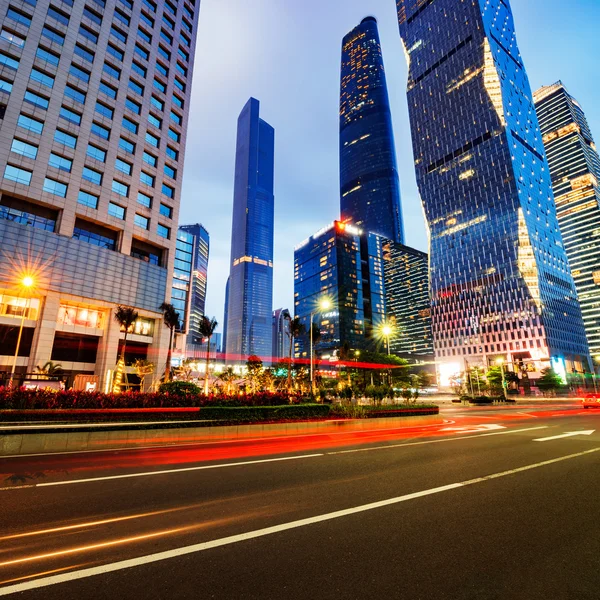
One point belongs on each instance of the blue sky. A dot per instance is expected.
(287, 54)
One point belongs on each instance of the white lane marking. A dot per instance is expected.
(165, 472)
(234, 539)
(229, 441)
(565, 435)
(474, 428)
(453, 439)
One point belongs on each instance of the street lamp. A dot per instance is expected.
(500, 362)
(325, 304)
(26, 283)
(387, 332)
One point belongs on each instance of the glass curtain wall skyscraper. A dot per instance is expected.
(575, 169)
(199, 278)
(501, 284)
(369, 182)
(250, 286)
(94, 105)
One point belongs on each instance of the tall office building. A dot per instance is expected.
(195, 301)
(369, 183)
(407, 300)
(94, 102)
(281, 340)
(500, 280)
(575, 170)
(250, 287)
(342, 265)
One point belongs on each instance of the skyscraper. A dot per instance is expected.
(407, 300)
(281, 326)
(369, 183)
(199, 276)
(250, 287)
(340, 266)
(575, 170)
(501, 284)
(94, 103)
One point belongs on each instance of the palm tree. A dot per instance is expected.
(125, 316)
(207, 328)
(51, 369)
(228, 376)
(143, 368)
(295, 330)
(171, 320)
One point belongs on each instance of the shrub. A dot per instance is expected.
(252, 414)
(179, 388)
(482, 400)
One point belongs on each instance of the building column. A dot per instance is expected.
(43, 338)
(108, 349)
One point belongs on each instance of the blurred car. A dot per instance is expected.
(591, 401)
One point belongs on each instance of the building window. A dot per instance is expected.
(58, 15)
(100, 131)
(110, 91)
(150, 159)
(118, 34)
(127, 146)
(53, 36)
(80, 317)
(146, 179)
(6, 86)
(157, 103)
(60, 162)
(24, 149)
(95, 234)
(96, 153)
(70, 116)
(112, 71)
(166, 211)
(74, 94)
(47, 56)
(154, 121)
(161, 87)
(141, 221)
(133, 106)
(66, 139)
(141, 52)
(104, 110)
(110, 49)
(130, 125)
(54, 187)
(87, 199)
(37, 100)
(18, 16)
(144, 200)
(172, 153)
(26, 213)
(88, 34)
(146, 252)
(19, 175)
(170, 172)
(168, 191)
(114, 210)
(92, 176)
(84, 53)
(163, 231)
(79, 73)
(12, 38)
(120, 188)
(37, 75)
(124, 167)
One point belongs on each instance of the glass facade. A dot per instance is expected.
(197, 302)
(250, 302)
(369, 183)
(575, 170)
(407, 299)
(182, 277)
(344, 266)
(501, 286)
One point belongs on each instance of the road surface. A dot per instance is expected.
(496, 503)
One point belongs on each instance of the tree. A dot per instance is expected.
(51, 369)
(207, 329)
(495, 378)
(295, 330)
(143, 368)
(228, 376)
(125, 316)
(550, 381)
(254, 365)
(171, 320)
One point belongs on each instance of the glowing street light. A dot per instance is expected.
(387, 331)
(27, 282)
(324, 304)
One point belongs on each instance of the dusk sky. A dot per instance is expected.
(287, 55)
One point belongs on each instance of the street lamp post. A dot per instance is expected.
(26, 282)
(323, 305)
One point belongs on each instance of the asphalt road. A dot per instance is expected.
(475, 508)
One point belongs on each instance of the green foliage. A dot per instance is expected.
(179, 388)
(482, 400)
(252, 414)
(550, 381)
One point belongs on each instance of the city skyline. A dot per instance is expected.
(208, 186)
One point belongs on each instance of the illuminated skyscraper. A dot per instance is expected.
(94, 105)
(575, 169)
(501, 284)
(250, 287)
(369, 183)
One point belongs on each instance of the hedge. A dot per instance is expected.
(253, 414)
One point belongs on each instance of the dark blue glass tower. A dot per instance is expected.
(501, 285)
(369, 183)
(250, 289)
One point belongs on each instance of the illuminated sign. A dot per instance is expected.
(559, 367)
